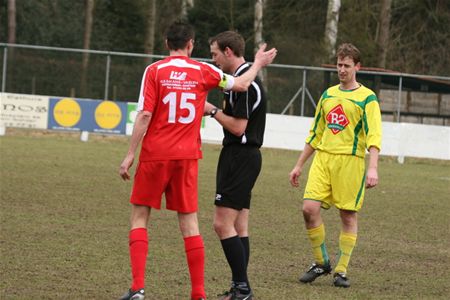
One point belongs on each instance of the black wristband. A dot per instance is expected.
(213, 112)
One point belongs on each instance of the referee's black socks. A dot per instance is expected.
(246, 243)
(237, 259)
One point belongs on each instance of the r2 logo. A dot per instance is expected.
(171, 98)
(337, 120)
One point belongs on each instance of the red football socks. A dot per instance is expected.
(195, 254)
(138, 245)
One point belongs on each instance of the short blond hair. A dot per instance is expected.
(347, 49)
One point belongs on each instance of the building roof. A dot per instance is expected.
(409, 81)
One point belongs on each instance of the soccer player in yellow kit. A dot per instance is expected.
(346, 123)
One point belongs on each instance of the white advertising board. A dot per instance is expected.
(24, 111)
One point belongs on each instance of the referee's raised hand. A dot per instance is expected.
(262, 57)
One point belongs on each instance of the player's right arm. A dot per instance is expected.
(315, 135)
(317, 127)
(146, 103)
(298, 168)
(140, 128)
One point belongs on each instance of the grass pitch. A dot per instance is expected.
(64, 227)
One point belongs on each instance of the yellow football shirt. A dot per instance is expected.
(346, 122)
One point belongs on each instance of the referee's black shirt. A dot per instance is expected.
(250, 105)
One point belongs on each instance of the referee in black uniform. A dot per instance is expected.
(243, 119)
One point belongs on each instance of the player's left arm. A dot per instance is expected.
(372, 171)
(373, 139)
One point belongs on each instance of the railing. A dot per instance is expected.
(117, 76)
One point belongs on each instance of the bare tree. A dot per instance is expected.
(89, 19)
(331, 28)
(258, 27)
(258, 23)
(185, 6)
(149, 43)
(231, 12)
(11, 21)
(383, 35)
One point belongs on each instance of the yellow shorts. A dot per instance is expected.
(336, 179)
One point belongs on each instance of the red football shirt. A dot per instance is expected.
(174, 91)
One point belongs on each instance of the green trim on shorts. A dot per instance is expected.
(361, 188)
(312, 199)
(323, 204)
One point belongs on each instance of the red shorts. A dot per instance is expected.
(177, 179)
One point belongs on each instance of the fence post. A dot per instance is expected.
(399, 98)
(303, 93)
(5, 62)
(108, 63)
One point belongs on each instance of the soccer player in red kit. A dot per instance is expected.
(170, 109)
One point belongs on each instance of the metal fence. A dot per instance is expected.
(116, 76)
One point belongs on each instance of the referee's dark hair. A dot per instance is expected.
(178, 35)
(230, 39)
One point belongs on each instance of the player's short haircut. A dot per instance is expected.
(230, 39)
(178, 35)
(349, 50)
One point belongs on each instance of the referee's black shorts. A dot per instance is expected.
(237, 171)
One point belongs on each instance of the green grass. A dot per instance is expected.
(64, 227)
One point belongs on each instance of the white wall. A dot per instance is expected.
(283, 132)
(399, 139)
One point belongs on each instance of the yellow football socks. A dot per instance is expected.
(347, 242)
(317, 239)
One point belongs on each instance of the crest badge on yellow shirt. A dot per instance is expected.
(337, 120)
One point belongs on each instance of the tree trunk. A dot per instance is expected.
(258, 23)
(258, 27)
(231, 11)
(89, 20)
(384, 29)
(11, 21)
(185, 6)
(331, 28)
(149, 44)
